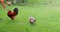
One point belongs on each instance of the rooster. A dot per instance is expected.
(32, 19)
(13, 14)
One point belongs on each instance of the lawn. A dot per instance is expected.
(47, 18)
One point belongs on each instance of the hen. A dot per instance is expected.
(32, 19)
(13, 14)
(9, 3)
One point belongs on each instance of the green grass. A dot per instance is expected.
(47, 18)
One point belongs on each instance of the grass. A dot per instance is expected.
(47, 18)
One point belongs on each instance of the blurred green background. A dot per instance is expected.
(46, 13)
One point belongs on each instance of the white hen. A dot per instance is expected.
(32, 19)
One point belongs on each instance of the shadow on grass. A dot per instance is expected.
(1, 19)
